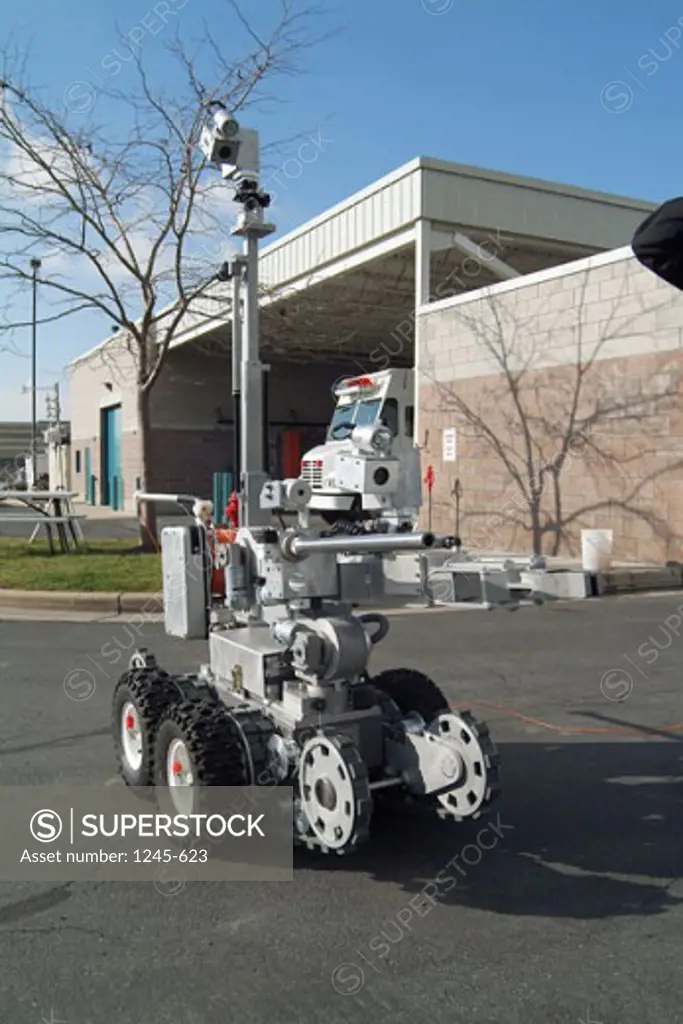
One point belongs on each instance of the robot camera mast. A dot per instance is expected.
(234, 150)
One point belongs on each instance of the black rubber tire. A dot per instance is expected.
(412, 691)
(213, 741)
(153, 692)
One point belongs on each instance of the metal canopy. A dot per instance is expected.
(352, 314)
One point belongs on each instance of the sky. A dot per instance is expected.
(586, 94)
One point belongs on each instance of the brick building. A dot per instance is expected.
(342, 293)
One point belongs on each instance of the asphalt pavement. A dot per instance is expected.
(573, 914)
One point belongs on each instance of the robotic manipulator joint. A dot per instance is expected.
(326, 648)
(285, 495)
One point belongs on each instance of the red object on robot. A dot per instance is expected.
(232, 510)
(218, 535)
(429, 481)
(224, 535)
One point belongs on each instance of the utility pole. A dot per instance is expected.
(35, 266)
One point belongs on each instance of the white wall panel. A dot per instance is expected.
(610, 308)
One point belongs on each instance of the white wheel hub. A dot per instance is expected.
(180, 777)
(334, 790)
(466, 765)
(131, 736)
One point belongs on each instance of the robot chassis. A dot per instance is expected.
(287, 698)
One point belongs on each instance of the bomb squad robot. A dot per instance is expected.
(288, 696)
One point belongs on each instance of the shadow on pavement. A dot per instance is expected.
(572, 817)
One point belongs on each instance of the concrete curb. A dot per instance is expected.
(58, 600)
(151, 604)
(74, 601)
(603, 584)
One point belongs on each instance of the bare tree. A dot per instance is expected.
(537, 417)
(124, 215)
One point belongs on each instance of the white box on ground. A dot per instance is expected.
(596, 550)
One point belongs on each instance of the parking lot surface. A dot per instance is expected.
(573, 914)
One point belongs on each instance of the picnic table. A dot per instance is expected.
(52, 510)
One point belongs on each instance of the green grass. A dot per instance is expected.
(99, 566)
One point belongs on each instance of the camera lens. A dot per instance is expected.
(225, 154)
(381, 475)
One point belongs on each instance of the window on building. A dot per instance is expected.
(78, 462)
(410, 420)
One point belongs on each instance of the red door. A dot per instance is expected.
(291, 452)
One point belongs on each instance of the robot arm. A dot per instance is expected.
(658, 242)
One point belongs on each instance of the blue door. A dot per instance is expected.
(117, 469)
(222, 489)
(112, 483)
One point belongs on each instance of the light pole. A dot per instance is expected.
(35, 266)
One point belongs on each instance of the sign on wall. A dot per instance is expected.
(450, 445)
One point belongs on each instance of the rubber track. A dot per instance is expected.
(255, 730)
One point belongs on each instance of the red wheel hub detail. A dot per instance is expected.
(130, 722)
(177, 768)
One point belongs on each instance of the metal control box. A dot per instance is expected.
(249, 661)
(185, 562)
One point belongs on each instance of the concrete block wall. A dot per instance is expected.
(131, 467)
(525, 344)
(194, 391)
(193, 399)
(185, 460)
(103, 378)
